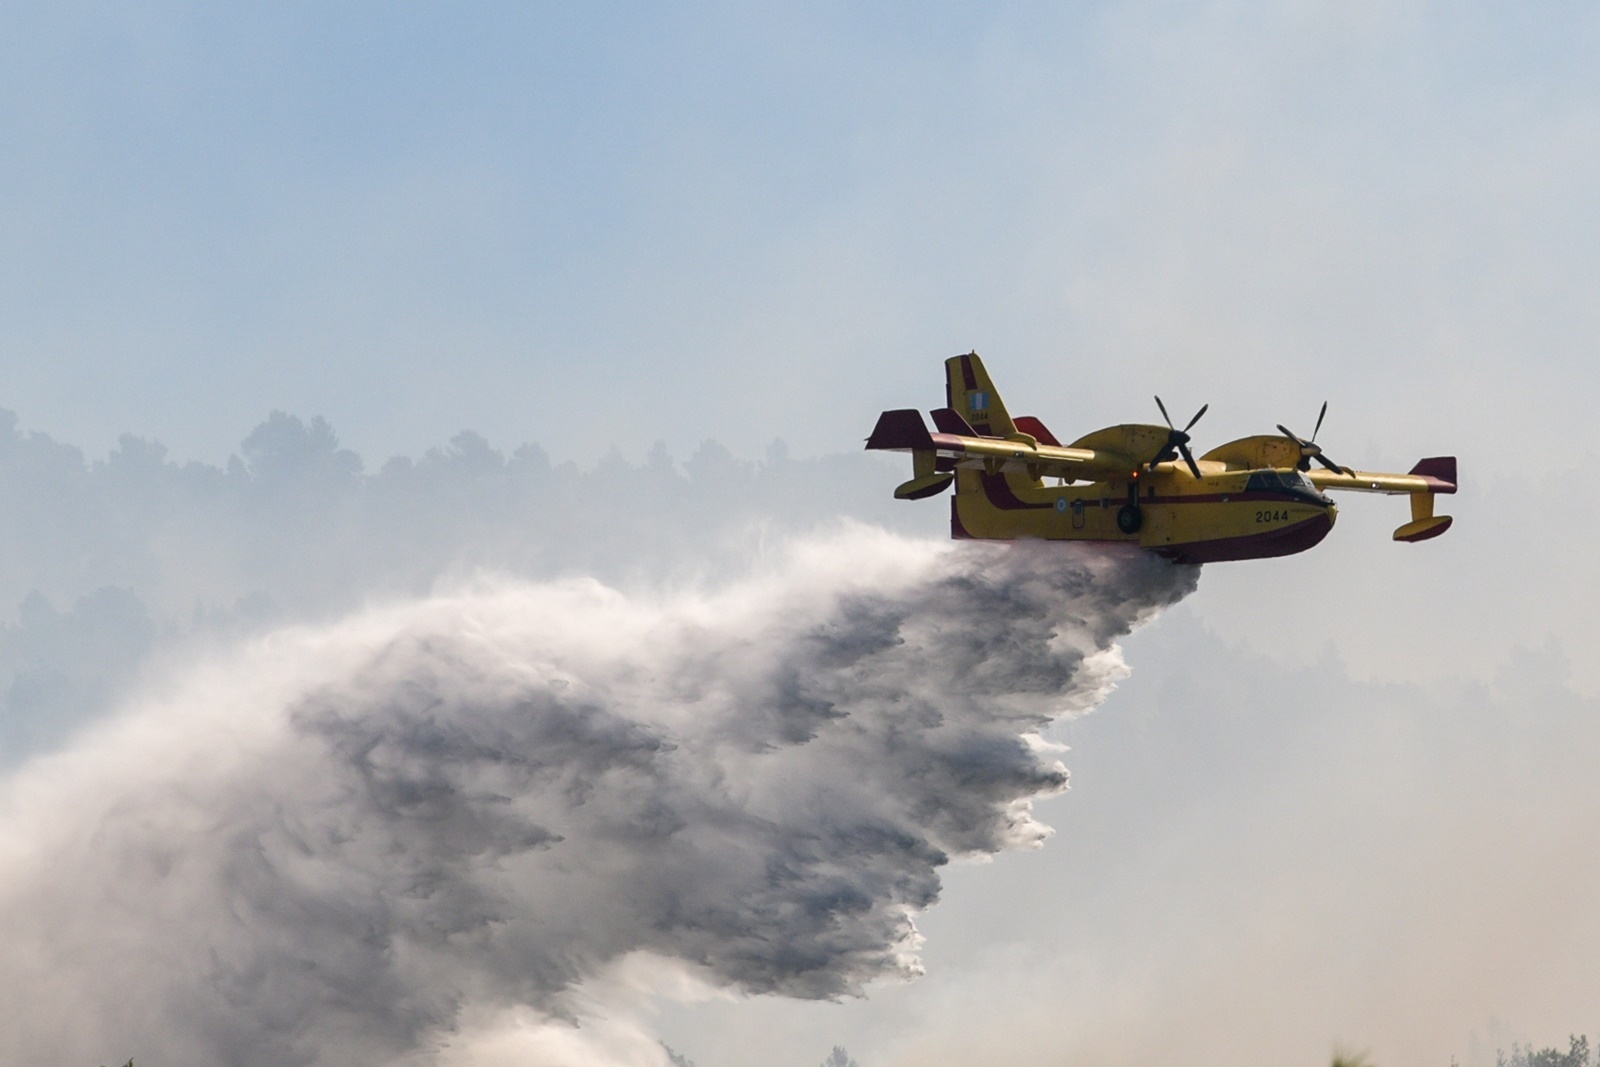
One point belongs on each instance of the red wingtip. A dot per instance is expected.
(1440, 470)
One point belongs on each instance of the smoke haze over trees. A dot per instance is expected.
(104, 561)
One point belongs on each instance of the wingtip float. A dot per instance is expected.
(1248, 499)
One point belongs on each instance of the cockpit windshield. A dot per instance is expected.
(1292, 482)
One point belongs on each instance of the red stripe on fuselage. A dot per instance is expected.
(1001, 495)
(999, 492)
(1228, 498)
(958, 531)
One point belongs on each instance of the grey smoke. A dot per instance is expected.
(343, 843)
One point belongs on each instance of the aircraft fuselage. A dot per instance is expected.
(1225, 516)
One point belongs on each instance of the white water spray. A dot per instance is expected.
(343, 844)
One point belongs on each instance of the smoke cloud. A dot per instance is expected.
(344, 844)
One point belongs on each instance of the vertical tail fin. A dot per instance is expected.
(970, 392)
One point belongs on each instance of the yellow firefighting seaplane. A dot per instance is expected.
(1248, 499)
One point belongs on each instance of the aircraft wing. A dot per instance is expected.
(957, 444)
(1437, 475)
(1428, 477)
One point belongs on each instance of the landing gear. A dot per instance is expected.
(1129, 517)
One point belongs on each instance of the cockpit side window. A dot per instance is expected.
(1263, 480)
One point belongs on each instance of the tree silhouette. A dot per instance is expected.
(1577, 1055)
(839, 1058)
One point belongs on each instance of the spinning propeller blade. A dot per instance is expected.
(1188, 457)
(1178, 440)
(1310, 450)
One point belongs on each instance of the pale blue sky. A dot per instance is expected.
(631, 223)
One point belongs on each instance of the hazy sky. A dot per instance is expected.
(603, 226)
(622, 223)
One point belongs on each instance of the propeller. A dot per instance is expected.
(1178, 440)
(1310, 450)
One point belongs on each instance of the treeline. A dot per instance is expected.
(836, 1058)
(1576, 1055)
(104, 561)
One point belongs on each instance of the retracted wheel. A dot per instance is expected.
(1129, 518)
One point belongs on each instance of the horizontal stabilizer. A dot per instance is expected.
(1037, 430)
(900, 430)
(1440, 470)
(949, 420)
